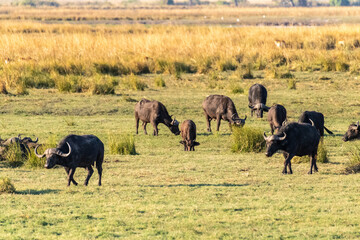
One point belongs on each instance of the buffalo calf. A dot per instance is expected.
(188, 134)
(276, 117)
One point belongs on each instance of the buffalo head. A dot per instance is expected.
(238, 121)
(53, 155)
(259, 108)
(353, 132)
(174, 127)
(273, 143)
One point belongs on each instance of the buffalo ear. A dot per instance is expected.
(196, 143)
(182, 142)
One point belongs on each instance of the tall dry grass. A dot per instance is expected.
(38, 54)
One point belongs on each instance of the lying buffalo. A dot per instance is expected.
(28, 141)
(257, 100)
(352, 133)
(317, 118)
(5, 144)
(188, 134)
(76, 151)
(276, 117)
(221, 107)
(154, 112)
(294, 139)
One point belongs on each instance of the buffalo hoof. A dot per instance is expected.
(310, 172)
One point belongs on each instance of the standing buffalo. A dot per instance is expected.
(154, 112)
(276, 117)
(295, 139)
(188, 134)
(352, 133)
(221, 107)
(257, 99)
(317, 118)
(76, 151)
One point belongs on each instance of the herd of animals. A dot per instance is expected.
(294, 139)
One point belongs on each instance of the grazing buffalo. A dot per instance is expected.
(352, 133)
(221, 107)
(276, 117)
(257, 100)
(188, 134)
(28, 141)
(317, 118)
(294, 139)
(154, 112)
(76, 151)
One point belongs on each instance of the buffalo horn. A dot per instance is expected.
(61, 154)
(38, 155)
(282, 138)
(265, 137)
(312, 123)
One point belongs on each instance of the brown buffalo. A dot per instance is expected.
(188, 134)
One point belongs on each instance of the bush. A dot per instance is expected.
(246, 139)
(33, 161)
(103, 85)
(14, 155)
(339, 2)
(159, 81)
(69, 83)
(354, 163)
(135, 83)
(123, 144)
(111, 69)
(236, 89)
(6, 186)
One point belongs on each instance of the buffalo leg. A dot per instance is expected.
(272, 129)
(156, 131)
(99, 166)
(287, 162)
(218, 120)
(144, 126)
(71, 176)
(90, 173)
(208, 120)
(137, 124)
(313, 164)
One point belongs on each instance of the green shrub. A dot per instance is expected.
(33, 161)
(13, 155)
(291, 84)
(159, 81)
(111, 69)
(236, 89)
(248, 72)
(70, 83)
(354, 163)
(226, 65)
(6, 186)
(123, 144)
(103, 85)
(247, 139)
(135, 83)
(21, 89)
(342, 66)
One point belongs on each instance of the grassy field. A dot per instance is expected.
(164, 192)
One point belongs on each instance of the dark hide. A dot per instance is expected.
(154, 112)
(257, 100)
(317, 118)
(276, 117)
(221, 107)
(188, 134)
(352, 133)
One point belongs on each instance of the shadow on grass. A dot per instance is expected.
(36, 192)
(200, 185)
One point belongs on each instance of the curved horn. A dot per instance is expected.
(36, 153)
(232, 117)
(282, 138)
(61, 154)
(36, 140)
(265, 137)
(250, 106)
(19, 136)
(312, 123)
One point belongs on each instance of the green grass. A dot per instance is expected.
(164, 192)
(6, 186)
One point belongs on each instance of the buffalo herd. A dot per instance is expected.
(292, 138)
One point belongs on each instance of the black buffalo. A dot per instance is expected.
(276, 117)
(257, 100)
(154, 112)
(352, 133)
(76, 151)
(317, 118)
(188, 134)
(28, 141)
(221, 107)
(294, 139)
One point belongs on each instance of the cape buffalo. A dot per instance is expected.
(352, 133)
(257, 100)
(317, 118)
(5, 144)
(188, 134)
(28, 141)
(154, 112)
(276, 117)
(76, 151)
(221, 107)
(295, 139)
